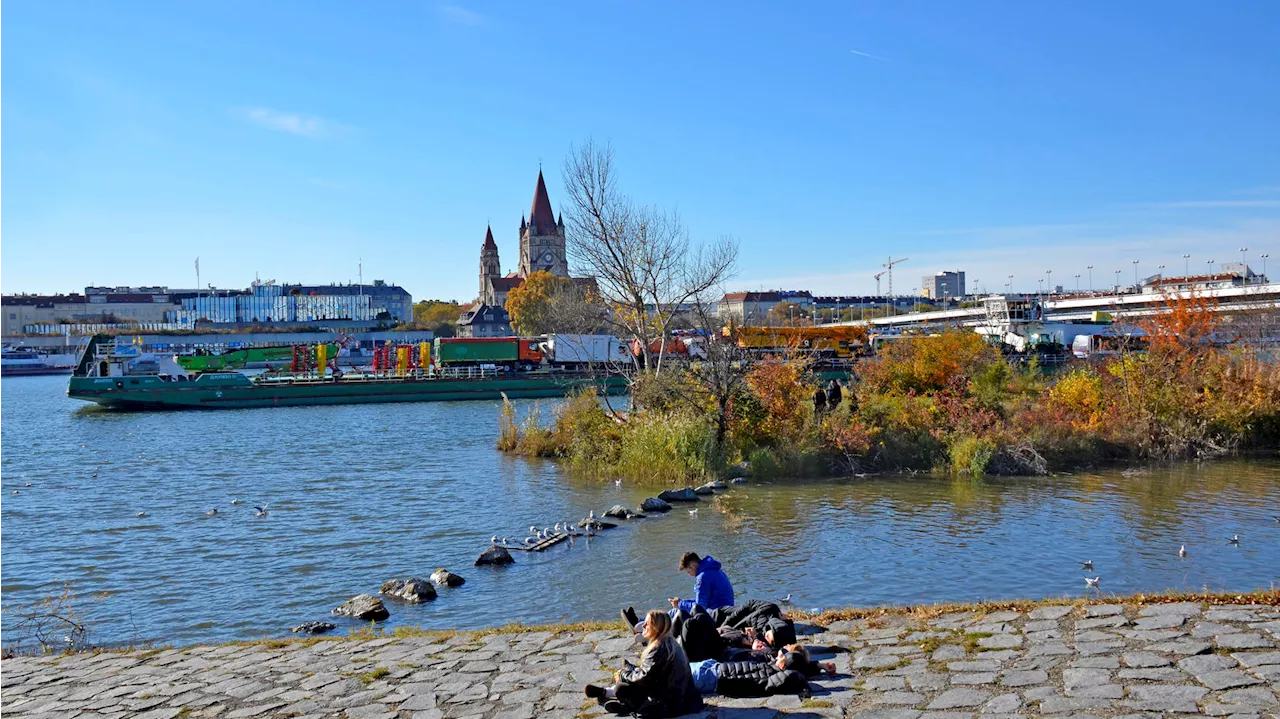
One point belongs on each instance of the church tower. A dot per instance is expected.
(490, 267)
(542, 244)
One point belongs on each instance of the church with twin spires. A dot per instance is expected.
(542, 247)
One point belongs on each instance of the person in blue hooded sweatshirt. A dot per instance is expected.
(711, 588)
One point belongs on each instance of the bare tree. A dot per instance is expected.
(645, 266)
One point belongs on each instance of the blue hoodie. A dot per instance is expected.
(711, 588)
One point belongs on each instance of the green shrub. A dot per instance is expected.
(971, 455)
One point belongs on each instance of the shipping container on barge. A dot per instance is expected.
(402, 373)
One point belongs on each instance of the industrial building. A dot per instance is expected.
(943, 285)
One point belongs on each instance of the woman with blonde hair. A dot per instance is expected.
(661, 686)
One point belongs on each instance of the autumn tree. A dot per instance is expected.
(546, 303)
(647, 268)
(439, 316)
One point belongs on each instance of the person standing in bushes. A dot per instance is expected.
(834, 395)
(819, 400)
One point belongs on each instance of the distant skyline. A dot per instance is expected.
(292, 139)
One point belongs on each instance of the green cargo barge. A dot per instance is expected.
(130, 381)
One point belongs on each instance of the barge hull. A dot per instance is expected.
(145, 397)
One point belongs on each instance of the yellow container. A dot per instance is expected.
(322, 358)
(402, 359)
(424, 354)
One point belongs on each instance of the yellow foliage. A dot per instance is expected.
(1080, 393)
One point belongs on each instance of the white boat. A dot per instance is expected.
(19, 361)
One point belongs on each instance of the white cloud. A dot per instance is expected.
(460, 15)
(291, 122)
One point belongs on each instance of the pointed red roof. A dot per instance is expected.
(541, 217)
(489, 244)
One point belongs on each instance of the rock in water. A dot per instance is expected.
(363, 606)
(445, 578)
(738, 480)
(596, 525)
(313, 627)
(409, 590)
(653, 504)
(678, 495)
(708, 488)
(622, 512)
(741, 469)
(495, 555)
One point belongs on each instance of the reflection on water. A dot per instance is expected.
(363, 493)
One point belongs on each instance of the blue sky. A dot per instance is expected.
(290, 139)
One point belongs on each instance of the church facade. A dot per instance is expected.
(542, 247)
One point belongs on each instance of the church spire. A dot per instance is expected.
(489, 244)
(542, 218)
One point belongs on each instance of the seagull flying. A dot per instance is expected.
(261, 511)
(1092, 582)
(1086, 564)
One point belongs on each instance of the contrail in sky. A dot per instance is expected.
(867, 54)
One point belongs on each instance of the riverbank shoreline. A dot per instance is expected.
(1102, 656)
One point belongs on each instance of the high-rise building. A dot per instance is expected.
(943, 285)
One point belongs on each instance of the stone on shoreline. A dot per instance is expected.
(738, 480)
(710, 487)
(414, 590)
(313, 628)
(653, 504)
(445, 578)
(596, 524)
(362, 606)
(622, 512)
(495, 555)
(741, 469)
(678, 495)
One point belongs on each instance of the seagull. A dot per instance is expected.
(212, 512)
(693, 512)
(1233, 539)
(142, 514)
(261, 511)
(235, 500)
(1086, 564)
(786, 599)
(28, 484)
(591, 515)
(618, 483)
(493, 539)
(1092, 582)
(1182, 551)
(533, 531)
(590, 532)
(16, 491)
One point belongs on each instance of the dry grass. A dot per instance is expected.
(928, 612)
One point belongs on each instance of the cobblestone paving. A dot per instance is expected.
(1104, 660)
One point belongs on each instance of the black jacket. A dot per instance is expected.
(698, 635)
(760, 615)
(665, 679)
(752, 679)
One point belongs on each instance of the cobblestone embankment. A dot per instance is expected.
(1105, 660)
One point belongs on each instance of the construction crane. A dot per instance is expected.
(889, 268)
(878, 275)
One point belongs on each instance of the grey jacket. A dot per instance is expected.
(664, 676)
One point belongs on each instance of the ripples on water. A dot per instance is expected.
(363, 493)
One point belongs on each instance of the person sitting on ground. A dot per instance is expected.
(711, 586)
(752, 679)
(711, 589)
(662, 686)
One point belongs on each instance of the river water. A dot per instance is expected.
(363, 493)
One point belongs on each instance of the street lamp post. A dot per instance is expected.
(1186, 265)
(1077, 283)
(1211, 264)
(1117, 285)
(1264, 257)
(1243, 261)
(1048, 280)
(1091, 278)
(1135, 274)
(1009, 284)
